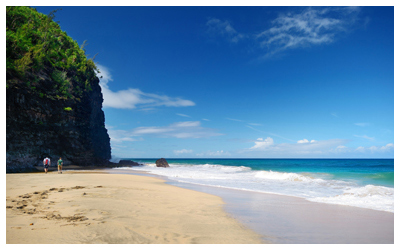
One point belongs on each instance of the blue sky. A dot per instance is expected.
(238, 82)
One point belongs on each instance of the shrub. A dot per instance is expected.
(34, 42)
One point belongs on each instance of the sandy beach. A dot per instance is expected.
(95, 207)
(292, 220)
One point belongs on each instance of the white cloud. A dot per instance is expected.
(223, 28)
(365, 137)
(304, 148)
(387, 147)
(314, 148)
(248, 123)
(121, 136)
(340, 149)
(313, 26)
(360, 149)
(183, 130)
(104, 76)
(362, 124)
(214, 153)
(187, 124)
(183, 115)
(236, 120)
(183, 151)
(189, 129)
(133, 98)
(152, 130)
(306, 141)
(376, 149)
(262, 144)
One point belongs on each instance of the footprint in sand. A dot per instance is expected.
(29, 200)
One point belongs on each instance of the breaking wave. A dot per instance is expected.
(311, 186)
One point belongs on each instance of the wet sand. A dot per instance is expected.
(285, 219)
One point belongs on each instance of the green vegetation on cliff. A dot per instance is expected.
(35, 43)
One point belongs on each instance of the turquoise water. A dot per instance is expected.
(362, 171)
(367, 183)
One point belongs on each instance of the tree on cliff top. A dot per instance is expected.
(35, 43)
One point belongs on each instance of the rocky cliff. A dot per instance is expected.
(54, 101)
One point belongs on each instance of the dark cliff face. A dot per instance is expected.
(54, 101)
(44, 126)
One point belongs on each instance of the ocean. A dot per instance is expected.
(365, 183)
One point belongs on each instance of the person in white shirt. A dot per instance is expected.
(46, 163)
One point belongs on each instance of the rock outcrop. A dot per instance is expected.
(54, 101)
(162, 163)
(39, 127)
(127, 163)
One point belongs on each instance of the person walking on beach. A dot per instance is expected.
(60, 164)
(46, 163)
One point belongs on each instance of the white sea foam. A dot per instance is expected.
(272, 175)
(370, 196)
(315, 188)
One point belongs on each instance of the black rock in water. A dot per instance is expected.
(162, 163)
(128, 163)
